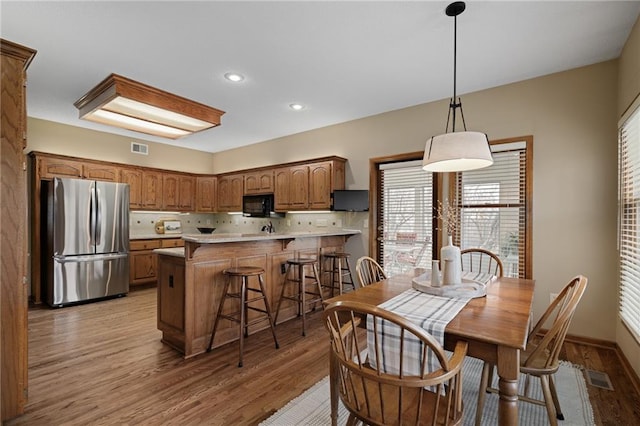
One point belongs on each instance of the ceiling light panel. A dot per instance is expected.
(124, 103)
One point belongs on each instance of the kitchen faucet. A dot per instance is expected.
(269, 228)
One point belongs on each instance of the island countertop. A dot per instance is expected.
(260, 236)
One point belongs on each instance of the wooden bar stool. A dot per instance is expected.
(295, 273)
(244, 272)
(338, 271)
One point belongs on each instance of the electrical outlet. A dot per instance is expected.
(288, 222)
(552, 297)
(366, 223)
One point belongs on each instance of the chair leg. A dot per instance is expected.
(284, 284)
(556, 401)
(302, 305)
(220, 306)
(268, 309)
(243, 317)
(551, 409)
(482, 392)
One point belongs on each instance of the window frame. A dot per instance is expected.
(526, 258)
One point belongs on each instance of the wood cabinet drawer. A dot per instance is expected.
(135, 245)
(177, 242)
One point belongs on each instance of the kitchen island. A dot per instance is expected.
(190, 280)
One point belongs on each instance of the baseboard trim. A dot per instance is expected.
(628, 369)
(635, 380)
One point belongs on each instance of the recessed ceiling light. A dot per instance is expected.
(296, 107)
(231, 76)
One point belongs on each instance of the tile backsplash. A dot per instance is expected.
(142, 223)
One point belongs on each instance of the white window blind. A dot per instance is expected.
(492, 204)
(629, 221)
(406, 210)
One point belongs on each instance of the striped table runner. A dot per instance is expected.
(430, 312)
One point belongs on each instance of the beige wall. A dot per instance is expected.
(572, 116)
(629, 85)
(55, 138)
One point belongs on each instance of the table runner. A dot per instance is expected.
(430, 312)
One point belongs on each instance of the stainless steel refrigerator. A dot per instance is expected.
(87, 240)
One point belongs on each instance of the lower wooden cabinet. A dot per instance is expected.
(143, 262)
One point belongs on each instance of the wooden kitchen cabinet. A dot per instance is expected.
(143, 262)
(133, 177)
(103, 172)
(151, 190)
(291, 190)
(324, 178)
(13, 281)
(230, 191)
(206, 194)
(260, 182)
(308, 186)
(51, 167)
(178, 192)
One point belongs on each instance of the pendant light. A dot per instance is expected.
(456, 151)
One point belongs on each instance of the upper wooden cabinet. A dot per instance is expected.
(260, 182)
(308, 186)
(51, 167)
(206, 194)
(151, 190)
(145, 188)
(178, 192)
(134, 178)
(230, 191)
(104, 172)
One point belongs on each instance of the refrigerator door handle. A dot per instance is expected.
(92, 217)
(89, 258)
(98, 224)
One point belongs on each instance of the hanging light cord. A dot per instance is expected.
(452, 103)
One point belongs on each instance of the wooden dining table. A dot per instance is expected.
(495, 328)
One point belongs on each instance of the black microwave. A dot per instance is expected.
(258, 205)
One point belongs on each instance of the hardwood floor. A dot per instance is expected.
(103, 363)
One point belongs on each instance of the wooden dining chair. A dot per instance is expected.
(540, 358)
(369, 271)
(378, 397)
(481, 260)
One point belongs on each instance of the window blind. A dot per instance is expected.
(406, 210)
(492, 203)
(629, 221)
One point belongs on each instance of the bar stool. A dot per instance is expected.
(295, 273)
(244, 272)
(339, 270)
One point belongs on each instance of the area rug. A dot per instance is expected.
(312, 408)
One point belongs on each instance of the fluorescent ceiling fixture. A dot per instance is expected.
(121, 102)
(231, 76)
(296, 107)
(456, 151)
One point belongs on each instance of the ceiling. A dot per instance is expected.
(343, 60)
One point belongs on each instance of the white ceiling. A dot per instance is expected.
(344, 60)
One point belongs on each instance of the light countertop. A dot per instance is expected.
(258, 236)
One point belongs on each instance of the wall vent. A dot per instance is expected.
(139, 148)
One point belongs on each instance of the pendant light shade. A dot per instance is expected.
(456, 151)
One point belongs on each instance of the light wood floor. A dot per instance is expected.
(103, 363)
